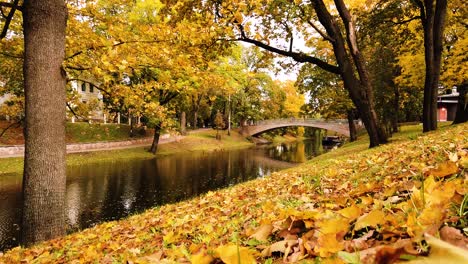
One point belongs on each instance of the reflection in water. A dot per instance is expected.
(108, 191)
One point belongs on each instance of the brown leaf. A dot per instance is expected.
(281, 246)
(262, 233)
(454, 237)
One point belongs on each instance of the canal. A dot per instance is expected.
(99, 192)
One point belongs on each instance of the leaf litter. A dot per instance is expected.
(402, 202)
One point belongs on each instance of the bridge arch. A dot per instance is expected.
(340, 126)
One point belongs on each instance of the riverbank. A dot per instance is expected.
(201, 140)
(373, 201)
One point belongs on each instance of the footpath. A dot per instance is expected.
(18, 150)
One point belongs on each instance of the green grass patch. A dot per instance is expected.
(84, 132)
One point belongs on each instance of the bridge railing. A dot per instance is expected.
(295, 119)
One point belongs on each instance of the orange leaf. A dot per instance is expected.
(445, 169)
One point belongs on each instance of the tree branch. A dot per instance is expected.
(73, 111)
(114, 45)
(403, 21)
(77, 68)
(86, 81)
(14, 6)
(321, 33)
(422, 12)
(18, 123)
(297, 56)
(10, 55)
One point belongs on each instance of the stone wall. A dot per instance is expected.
(18, 150)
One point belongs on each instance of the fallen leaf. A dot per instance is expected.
(262, 233)
(443, 170)
(371, 219)
(280, 246)
(442, 252)
(454, 236)
(234, 254)
(202, 258)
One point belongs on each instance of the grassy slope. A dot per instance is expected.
(324, 197)
(199, 141)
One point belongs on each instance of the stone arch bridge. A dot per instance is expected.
(340, 125)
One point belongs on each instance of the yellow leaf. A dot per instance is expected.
(328, 245)
(371, 219)
(351, 212)
(233, 254)
(169, 238)
(333, 226)
(202, 258)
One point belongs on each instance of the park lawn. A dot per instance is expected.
(351, 205)
(205, 140)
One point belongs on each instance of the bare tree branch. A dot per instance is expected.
(297, 56)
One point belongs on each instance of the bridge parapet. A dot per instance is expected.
(337, 125)
(295, 119)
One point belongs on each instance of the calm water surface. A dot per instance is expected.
(107, 191)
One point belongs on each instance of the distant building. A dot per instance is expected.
(89, 92)
(447, 105)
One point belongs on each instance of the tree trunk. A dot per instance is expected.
(154, 145)
(183, 123)
(360, 90)
(433, 19)
(44, 180)
(195, 119)
(396, 108)
(352, 126)
(462, 108)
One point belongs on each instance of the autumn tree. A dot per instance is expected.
(44, 24)
(285, 21)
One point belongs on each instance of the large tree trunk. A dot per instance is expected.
(44, 180)
(433, 19)
(462, 108)
(157, 134)
(360, 90)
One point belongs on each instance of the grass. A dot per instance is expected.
(84, 132)
(79, 132)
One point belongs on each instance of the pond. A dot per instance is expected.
(101, 192)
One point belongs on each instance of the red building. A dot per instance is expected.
(447, 105)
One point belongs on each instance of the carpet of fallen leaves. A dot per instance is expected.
(403, 201)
